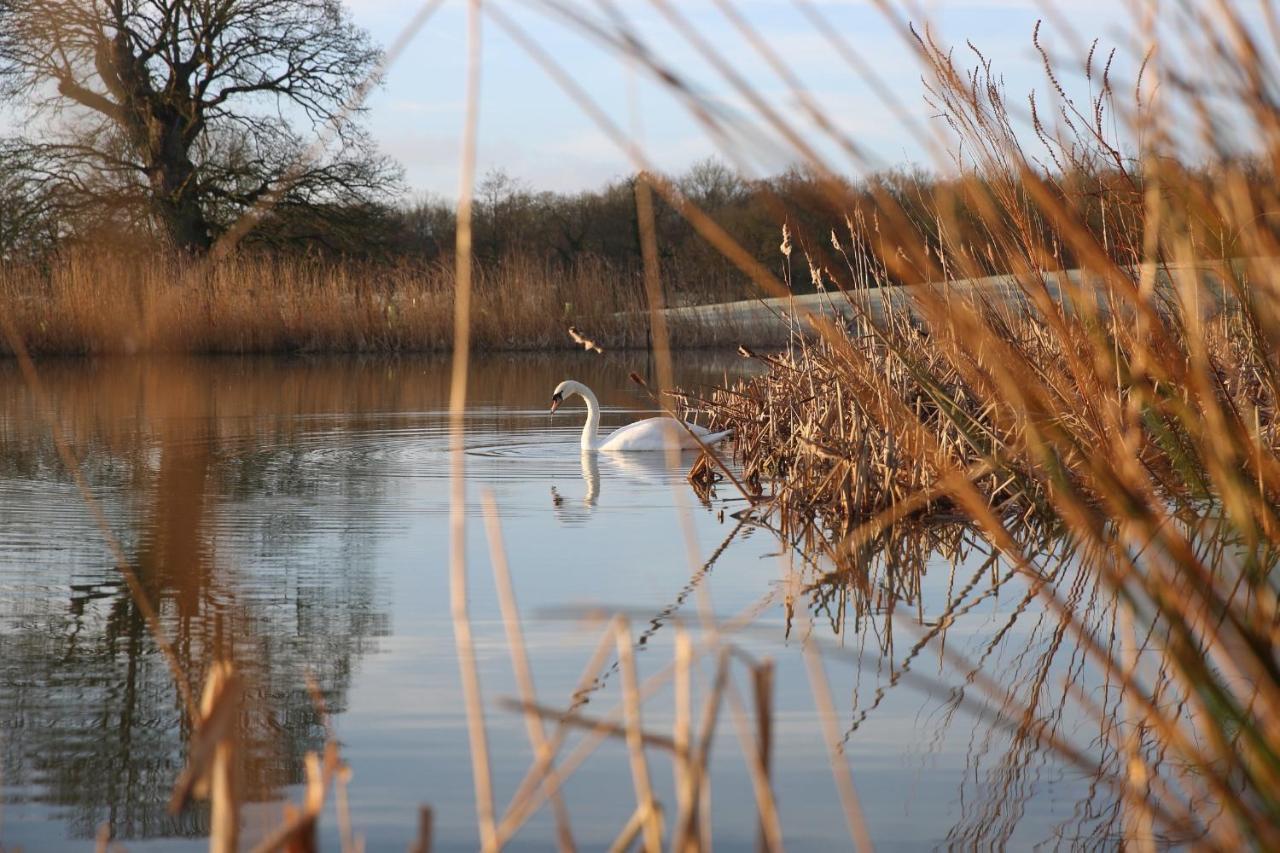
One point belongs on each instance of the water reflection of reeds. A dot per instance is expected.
(988, 651)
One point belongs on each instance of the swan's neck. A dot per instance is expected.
(592, 426)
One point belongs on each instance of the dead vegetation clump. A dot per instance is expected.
(870, 427)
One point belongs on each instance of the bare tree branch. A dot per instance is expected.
(195, 98)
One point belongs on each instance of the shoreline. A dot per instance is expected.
(129, 310)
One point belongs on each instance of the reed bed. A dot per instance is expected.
(1136, 417)
(1031, 430)
(870, 427)
(101, 302)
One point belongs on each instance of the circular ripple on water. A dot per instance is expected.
(417, 451)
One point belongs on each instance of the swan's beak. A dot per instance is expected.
(555, 402)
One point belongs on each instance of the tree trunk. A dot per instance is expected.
(175, 200)
(162, 126)
(180, 214)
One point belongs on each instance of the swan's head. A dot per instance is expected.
(563, 391)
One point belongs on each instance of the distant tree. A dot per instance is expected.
(189, 109)
(425, 227)
(711, 184)
(505, 216)
(26, 222)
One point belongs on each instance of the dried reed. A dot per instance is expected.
(100, 302)
(1128, 406)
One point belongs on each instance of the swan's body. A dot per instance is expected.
(648, 434)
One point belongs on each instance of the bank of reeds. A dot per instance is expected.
(869, 427)
(100, 302)
(1140, 423)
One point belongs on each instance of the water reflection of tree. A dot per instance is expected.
(92, 721)
(213, 472)
(1027, 666)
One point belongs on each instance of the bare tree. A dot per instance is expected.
(190, 108)
(26, 223)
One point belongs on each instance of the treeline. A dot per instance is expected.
(837, 228)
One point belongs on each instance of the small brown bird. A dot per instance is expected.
(587, 343)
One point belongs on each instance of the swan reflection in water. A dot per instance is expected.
(644, 469)
(571, 513)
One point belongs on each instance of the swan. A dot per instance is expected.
(648, 434)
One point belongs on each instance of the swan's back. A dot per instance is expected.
(658, 434)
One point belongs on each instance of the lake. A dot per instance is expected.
(293, 513)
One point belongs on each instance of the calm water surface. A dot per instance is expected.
(294, 513)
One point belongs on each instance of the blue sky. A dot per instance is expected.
(533, 131)
(530, 129)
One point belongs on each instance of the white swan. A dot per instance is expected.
(648, 434)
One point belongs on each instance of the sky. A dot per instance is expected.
(533, 131)
(530, 129)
